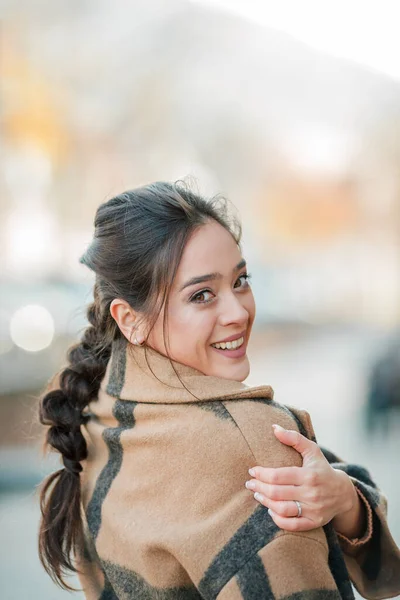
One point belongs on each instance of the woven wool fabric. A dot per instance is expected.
(166, 512)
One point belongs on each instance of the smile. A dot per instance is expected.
(229, 345)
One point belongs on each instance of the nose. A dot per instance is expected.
(233, 311)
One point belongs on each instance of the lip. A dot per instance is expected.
(236, 336)
(238, 352)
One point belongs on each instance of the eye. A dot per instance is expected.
(245, 279)
(201, 297)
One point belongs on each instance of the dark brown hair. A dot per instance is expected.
(138, 243)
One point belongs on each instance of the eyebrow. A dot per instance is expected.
(210, 276)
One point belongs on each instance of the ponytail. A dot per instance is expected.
(61, 528)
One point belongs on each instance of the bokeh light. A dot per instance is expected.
(32, 328)
(290, 110)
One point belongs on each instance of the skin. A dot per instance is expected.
(324, 493)
(203, 313)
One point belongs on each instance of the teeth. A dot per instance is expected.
(229, 345)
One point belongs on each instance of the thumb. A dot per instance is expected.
(307, 448)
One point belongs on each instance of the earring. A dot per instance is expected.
(136, 343)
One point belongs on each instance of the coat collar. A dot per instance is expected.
(144, 375)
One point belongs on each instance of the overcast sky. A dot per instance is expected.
(359, 30)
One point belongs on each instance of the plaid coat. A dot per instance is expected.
(166, 512)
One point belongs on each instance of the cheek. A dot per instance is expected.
(251, 306)
(156, 338)
(193, 325)
(189, 330)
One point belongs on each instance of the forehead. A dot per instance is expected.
(210, 249)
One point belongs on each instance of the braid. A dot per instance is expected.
(62, 410)
(138, 242)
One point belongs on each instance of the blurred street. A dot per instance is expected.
(327, 374)
(284, 109)
(323, 372)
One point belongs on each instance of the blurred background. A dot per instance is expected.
(291, 110)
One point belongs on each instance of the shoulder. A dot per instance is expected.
(254, 418)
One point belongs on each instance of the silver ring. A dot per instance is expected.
(298, 508)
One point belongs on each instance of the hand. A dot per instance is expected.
(322, 491)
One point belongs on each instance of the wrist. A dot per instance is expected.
(350, 521)
(347, 493)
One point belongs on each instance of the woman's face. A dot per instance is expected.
(210, 302)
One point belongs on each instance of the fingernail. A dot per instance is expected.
(252, 472)
(250, 485)
(258, 496)
(275, 426)
(270, 512)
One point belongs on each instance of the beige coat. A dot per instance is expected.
(168, 516)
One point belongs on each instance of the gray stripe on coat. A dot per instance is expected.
(254, 534)
(253, 581)
(131, 586)
(123, 412)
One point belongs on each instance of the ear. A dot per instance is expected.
(127, 319)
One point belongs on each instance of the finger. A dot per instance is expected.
(293, 523)
(293, 438)
(279, 475)
(274, 492)
(286, 508)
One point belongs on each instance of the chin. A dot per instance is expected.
(238, 373)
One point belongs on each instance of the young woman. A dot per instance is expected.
(158, 433)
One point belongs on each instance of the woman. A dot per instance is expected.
(157, 433)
